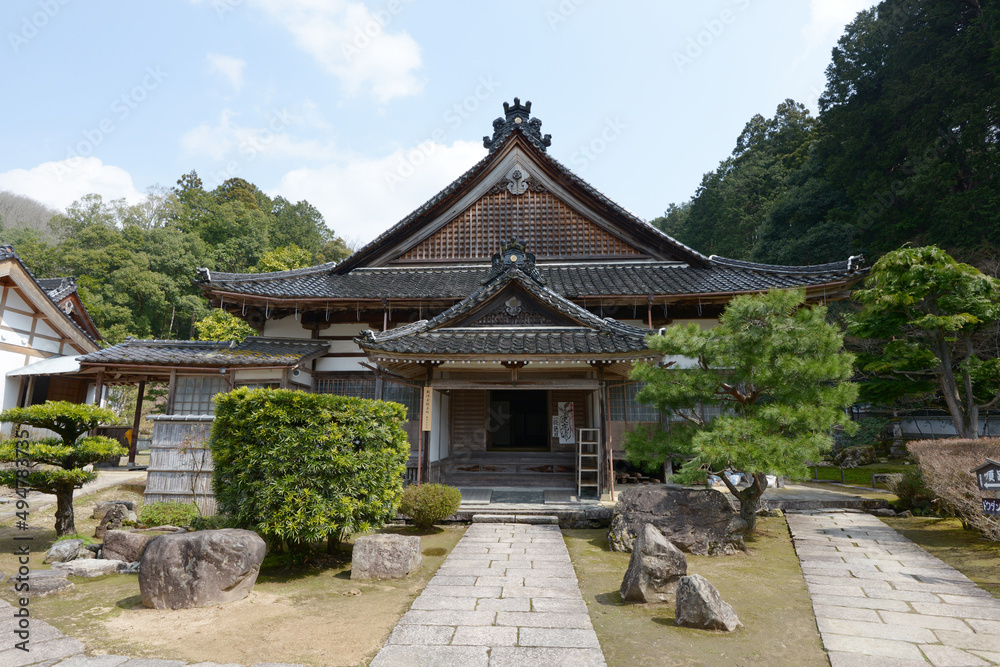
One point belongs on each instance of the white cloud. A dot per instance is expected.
(354, 43)
(59, 184)
(226, 138)
(361, 198)
(229, 67)
(827, 19)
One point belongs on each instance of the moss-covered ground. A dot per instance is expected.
(764, 586)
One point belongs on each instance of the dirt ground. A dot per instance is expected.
(764, 586)
(313, 615)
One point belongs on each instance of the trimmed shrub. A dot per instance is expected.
(214, 522)
(945, 466)
(299, 467)
(913, 494)
(167, 514)
(427, 504)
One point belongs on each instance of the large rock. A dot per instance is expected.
(126, 546)
(103, 507)
(385, 556)
(200, 569)
(114, 518)
(699, 605)
(97, 567)
(697, 521)
(63, 551)
(654, 569)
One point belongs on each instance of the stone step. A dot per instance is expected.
(538, 519)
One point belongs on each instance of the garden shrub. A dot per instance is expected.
(299, 467)
(214, 522)
(911, 490)
(945, 466)
(427, 504)
(167, 514)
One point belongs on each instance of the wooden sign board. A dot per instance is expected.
(988, 475)
(427, 414)
(991, 506)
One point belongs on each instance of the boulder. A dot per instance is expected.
(103, 507)
(126, 546)
(654, 568)
(852, 457)
(98, 567)
(697, 521)
(200, 569)
(385, 556)
(699, 605)
(882, 511)
(773, 512)
(42, 583)
(85, 554)
(63, 551)
(114, 518)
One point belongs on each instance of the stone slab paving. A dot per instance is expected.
(48, 647)
(506, 595)
(880, 599)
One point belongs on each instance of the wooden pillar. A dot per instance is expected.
(99, 388)
(133, 446)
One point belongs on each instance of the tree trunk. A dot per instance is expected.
(749, 498)
(64, 512)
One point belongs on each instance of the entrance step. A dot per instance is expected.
(537, 519)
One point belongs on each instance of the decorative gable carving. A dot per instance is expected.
(551, 228)
(513, 307)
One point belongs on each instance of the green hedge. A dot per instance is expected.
(301, 467)
(167, 514)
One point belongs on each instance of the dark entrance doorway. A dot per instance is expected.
(519, 420)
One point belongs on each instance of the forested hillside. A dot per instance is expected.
(906, 148)
(135, 263)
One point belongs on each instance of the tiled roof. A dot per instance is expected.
(57, 288)
(254, 351)
(570, 280)
(590, 334)
(402, 228)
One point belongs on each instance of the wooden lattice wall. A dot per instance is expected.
(551, 229)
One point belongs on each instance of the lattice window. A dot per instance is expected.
(356, 387)
(193, 394)
(624, 407)
(409, 397)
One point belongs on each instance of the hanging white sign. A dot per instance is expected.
(566, 423)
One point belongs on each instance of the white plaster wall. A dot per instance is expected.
(16, 320)
(15, 301)
(342, 364)
(286, 327)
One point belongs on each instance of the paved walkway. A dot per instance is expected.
(880, 599)
(506, 595)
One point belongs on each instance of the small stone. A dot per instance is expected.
(699, 605)
(103, 507)
(62, 551)
(385, 556)
(113, 519)
(907, 514)
(85, 554)
(882, 511)
(654, 568)
(42, 583)
(97, 567)
(353, 591)
(126, 546)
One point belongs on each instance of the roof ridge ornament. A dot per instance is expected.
(516, 117)
(513, 255)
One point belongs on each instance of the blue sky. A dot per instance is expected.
(367, 109)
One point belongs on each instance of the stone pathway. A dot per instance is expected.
(506, 595)
(880, 599)
(49, 647)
